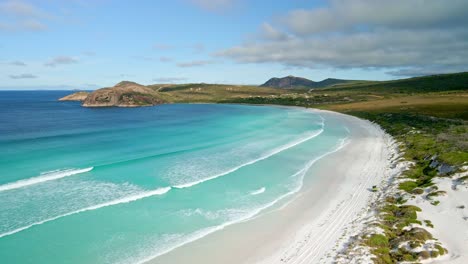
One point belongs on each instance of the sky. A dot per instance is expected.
(81, 44)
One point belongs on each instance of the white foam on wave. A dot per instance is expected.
(252, 214)
(271, 153)
(127, 199)
(44, 177)
(259, 191)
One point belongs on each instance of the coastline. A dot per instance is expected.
(319, 220)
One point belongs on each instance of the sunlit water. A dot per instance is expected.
(120, 185)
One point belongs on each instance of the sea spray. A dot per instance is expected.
(44, 177)
(271, 153)
(122, 200)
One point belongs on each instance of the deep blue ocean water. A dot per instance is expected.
(123, 185)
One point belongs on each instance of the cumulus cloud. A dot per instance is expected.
(352, 14)
(169, 79)
(23, 76)
(150, 58)
(195, 63)
(401, 34)
(20, 15)
(61, 60)
(213, 5)
(270, 33)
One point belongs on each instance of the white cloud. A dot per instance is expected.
(61, 60)
(195, 63)
(351, 14)
(22, 16)
(169, 79)
(17, 63)
(21, 9)
(270, 33)
(23, 76)
(413, 35)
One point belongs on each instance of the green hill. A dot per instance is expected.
(432, 83)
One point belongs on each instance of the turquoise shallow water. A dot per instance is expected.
(113, 185)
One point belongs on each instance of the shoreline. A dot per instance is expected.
(315, 224)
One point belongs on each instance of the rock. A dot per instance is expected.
(123, 94)
(445, 168)
(78, 96)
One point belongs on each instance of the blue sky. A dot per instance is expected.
(88, 44)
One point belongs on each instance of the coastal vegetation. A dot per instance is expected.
(428, 117)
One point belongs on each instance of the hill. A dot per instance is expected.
(123, 94)
(211, 93)
(289, 82)
(432, 83)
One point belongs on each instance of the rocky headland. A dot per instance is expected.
(123, 94)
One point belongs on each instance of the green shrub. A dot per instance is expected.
(424, 254)
(429, 223)
(440, 249)
(417, 191)
(377, 240)
(408, 186)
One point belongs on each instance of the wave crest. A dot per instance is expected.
(44, 177)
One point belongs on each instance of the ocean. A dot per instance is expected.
(125, 185)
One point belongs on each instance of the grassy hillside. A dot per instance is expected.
(434, 83)
(443, 96)
(212, 93)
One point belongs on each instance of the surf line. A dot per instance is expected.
(274, 152)
(48, 176)
(255, 212)
(259, 191)
(122, 200)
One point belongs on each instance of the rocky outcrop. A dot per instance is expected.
(78, 96)
(123, 94)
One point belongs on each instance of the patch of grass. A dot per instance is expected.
(436, 193)
(408, 186)
(429, 223)
(441, 250)
(377, 240)
(417, 191)
(463, 179)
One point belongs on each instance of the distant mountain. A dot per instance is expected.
(290, 82)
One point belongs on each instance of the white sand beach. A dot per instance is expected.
(315, 225)
(449, 217)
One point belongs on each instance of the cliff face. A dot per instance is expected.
(123, 94)
(78, 96)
